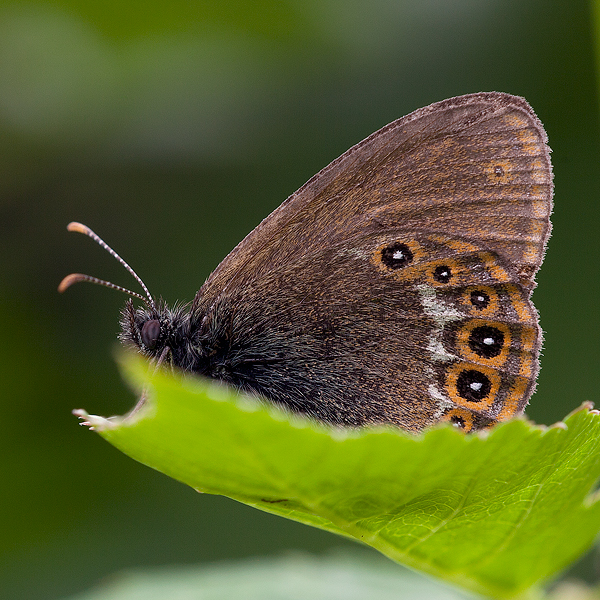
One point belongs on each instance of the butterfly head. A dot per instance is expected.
(154, 329)
(158, 332)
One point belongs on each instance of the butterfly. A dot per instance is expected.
(393, 287)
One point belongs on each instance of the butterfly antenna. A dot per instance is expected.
(69, 280)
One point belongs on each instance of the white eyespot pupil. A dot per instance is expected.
(398, 255)
(488, 341)
(480, 299)
(476, 386)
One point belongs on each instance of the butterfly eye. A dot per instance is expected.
(150, 333)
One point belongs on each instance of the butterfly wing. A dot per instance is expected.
(394, 285)
(477, 165)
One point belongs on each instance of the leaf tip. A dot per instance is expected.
(93, 422)
(586, 406)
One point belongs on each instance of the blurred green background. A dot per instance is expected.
(172, 129)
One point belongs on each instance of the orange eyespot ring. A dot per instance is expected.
(460, 418)
(394, 256)
(481, 300)
(484, 342)
(499, 172)
(444, 272)
(472, 386)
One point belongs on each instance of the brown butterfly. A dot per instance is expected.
(393, 287)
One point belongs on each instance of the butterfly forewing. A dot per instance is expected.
(476, 166)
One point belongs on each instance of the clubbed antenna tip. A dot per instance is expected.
(69, 280)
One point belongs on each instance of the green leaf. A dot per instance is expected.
(493, 513)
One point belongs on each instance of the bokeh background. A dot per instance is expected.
(172, 129)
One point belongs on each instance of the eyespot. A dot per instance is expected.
(442, 274)
(499, 171)
(473, 385)
(458, 421)
(460, 418)
(480, 299)
(396, 255)
(150, 333)
(486, 341)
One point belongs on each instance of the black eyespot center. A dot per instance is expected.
(486, 341)
(457, 421)
(150, 333)
(473, 385)
(480, 299)
(396, 255)
(442, 274)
